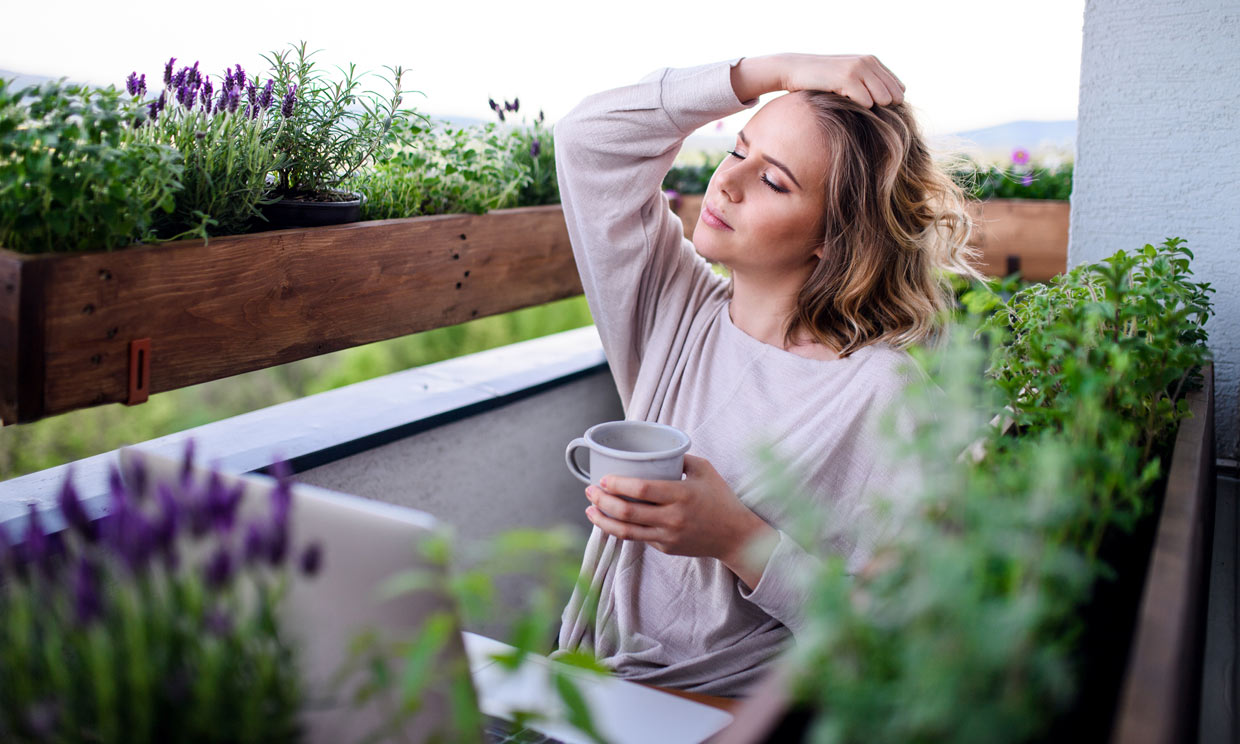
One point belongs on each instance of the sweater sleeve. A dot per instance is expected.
(612, 152)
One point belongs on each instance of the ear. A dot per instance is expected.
(818, 252)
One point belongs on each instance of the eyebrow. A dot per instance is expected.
(771, 160)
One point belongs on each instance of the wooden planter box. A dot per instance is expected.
(80, 330)
(1025, 235)
(1160, 690)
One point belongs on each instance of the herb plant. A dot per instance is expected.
(154, 623)
(967, 623)
(333, 128)
(227, 145)
(73, 177)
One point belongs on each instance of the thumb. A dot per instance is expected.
(695, 465)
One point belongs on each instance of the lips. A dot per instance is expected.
(712, 218)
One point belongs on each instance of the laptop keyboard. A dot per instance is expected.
(499, 731)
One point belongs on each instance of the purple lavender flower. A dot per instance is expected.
(168, 72)
(187, 463)
(264, 99)
(290, 100)
(73, 512)
(228, 78)
(255, 545)
(178, 79)
(494, 105)
(191, 96)
(219, 568)
(222, 504)
(153, 110)
(87, 600)
(500, 112)
(208, 92)
(251, 96)
(1026, 179)
(195, 77)
(218, 622)
(535, 148)
(1020, 156)
(240, 79)
(131, 83)
(312, 559)
(38, 546)
(163, 102)
(164, 530)
(516, 105)
(540, 116)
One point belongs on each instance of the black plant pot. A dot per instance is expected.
(309, 211)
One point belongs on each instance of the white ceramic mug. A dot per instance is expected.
(639, 449)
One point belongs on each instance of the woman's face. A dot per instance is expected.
(769, 195)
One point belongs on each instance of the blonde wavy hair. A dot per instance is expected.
(894, 230)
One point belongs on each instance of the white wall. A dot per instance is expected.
(1158, 153)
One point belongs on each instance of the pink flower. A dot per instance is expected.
(1020, 156)
(1026, 179)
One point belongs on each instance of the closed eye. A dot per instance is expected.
(766, 181)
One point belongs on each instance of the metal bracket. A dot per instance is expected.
(139, 371)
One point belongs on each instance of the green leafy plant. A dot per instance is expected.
(444, 171)
(544, 563)
(227, 147)
(969, 619)
(154, 623)
(333, 129)
(691, 178)
(1019, 179)
(73, 176)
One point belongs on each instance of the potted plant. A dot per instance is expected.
(331, 130)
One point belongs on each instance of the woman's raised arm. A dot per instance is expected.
(860, 77)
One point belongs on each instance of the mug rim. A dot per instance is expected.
(619, 454)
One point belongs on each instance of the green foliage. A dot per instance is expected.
(691, 178)
(967, 620)
(444, 171)
(334, 129)
(464, 575)
(73, 177)
(1020, 180)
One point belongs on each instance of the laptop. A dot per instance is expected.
(364, 543)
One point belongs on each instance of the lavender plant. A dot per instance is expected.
(333, 128)
(154, 623)
(73, 176)
(531, 148)
(227, 145)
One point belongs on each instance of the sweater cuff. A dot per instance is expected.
(784, 587)
(695, 96)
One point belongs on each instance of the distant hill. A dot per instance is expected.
(1001, 139)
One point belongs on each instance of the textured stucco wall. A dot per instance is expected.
(1158, 153)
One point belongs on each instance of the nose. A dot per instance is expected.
(729, 184)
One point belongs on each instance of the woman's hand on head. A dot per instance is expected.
(698, 516)
(860, 77)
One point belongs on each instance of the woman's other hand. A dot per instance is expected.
(697, 516)
(860, 77)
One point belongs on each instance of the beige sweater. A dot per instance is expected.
(677, 359)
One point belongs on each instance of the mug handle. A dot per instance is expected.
(570, 458)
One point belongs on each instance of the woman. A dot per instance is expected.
(834, 226)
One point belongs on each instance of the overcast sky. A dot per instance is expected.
(967, 63)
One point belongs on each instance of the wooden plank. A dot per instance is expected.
(1158, 703)
(1032, 233)
(253, 301)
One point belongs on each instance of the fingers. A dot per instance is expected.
(653, 491)
(622, 530)
(621, 510)
(875, 84)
